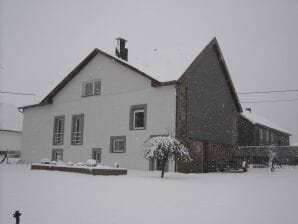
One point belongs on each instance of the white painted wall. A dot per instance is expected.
(10, 140)
(104, 116)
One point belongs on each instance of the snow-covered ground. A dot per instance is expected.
(53, 197)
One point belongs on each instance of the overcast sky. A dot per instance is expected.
(42, 41)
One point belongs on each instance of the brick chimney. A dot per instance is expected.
(121, 51)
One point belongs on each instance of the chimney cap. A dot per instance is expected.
(120, 38)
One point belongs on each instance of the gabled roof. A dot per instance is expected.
(214, 44)
(164, 63)
(259, 120)
(49, 98)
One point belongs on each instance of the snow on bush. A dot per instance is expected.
(80, 164)
(162, 148)
(69, 163)
(60, 163)
(91, 162)
(54, 162)
(45, 161)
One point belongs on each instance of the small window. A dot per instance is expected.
(91, 88)
(118, 144)
(77, 129)
(261, 134)
(138, 114)
(57, 155)
(58, 133)
(267, 136)
(96, 154)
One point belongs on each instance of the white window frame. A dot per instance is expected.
(76, 134)
(58, 137)
(134, 119)
(113, 141)
(93, 88)
(114, 145)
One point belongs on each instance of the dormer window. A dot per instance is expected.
(92, 88)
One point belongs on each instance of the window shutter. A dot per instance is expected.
(97, 87)
(89, 89)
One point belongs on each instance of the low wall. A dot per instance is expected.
(85, 170)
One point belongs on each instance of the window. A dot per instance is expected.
(117, 144)
(91, 88)
(77, 129)
(261, 133)
(58, 132)
(138, 116)
(57, 154)
(96, 154)
(272, 138)
(267, 136)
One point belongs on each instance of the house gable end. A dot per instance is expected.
(211, 103)
(49, 98)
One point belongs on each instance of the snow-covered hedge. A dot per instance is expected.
(80, 164)
(69, 163)
(45, 161)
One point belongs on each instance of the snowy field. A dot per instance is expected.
(53, 197)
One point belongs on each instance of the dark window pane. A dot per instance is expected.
(139, 119)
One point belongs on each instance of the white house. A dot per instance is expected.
(106, 109)
(10, 128)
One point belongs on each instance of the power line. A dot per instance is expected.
(18, 93)
(270, 91)
(270, 101)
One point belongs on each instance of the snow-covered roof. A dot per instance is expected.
(257, 119)
(10, 118)
(167, 64)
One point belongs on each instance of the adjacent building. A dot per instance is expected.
(10, 129)
(106, 109)
(254, 130)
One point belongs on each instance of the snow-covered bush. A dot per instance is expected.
(162, 148)
(60, 162)
(69, 163)
(45, 161)
(80, 164)
(91, 162)
(54, 162)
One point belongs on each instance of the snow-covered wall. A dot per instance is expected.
(105, 115)
(10, 140)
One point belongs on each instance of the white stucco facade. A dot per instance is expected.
(105, 115)
(10, 140)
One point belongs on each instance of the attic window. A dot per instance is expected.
(91, 88)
